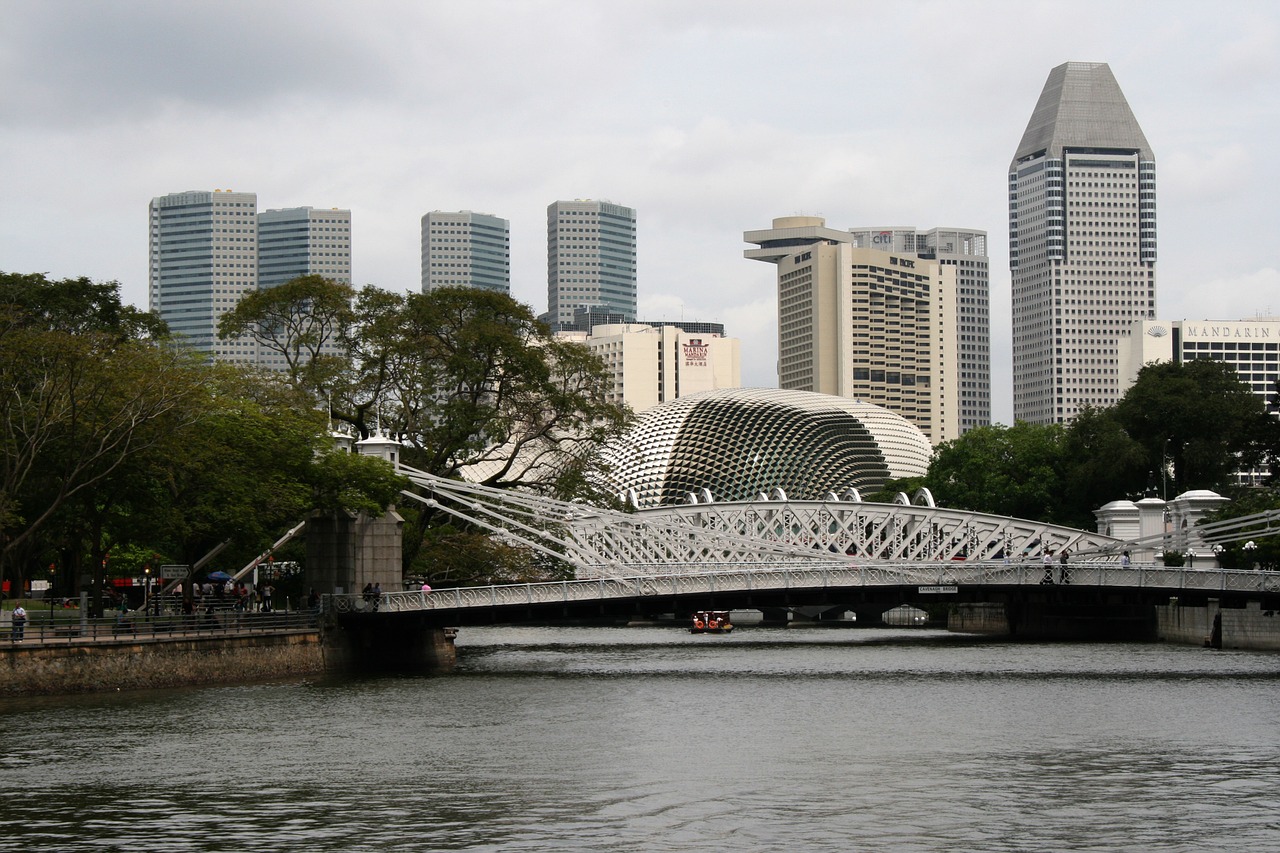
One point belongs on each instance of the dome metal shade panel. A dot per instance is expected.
(740, 442)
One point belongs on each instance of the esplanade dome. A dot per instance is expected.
(737, 443)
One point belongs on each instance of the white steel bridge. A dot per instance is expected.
(710, 536)
(775, 549)
(806, 582)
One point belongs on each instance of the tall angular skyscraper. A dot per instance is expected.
(1082, 243)
(591, 260)
(204, 257)
(465, 249)
(303, 241)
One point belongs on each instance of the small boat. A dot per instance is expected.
(711, 622)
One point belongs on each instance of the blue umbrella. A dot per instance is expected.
(219, 576)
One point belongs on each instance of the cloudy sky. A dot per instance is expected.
(710, 117)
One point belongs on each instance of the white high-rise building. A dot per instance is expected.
(591, 260)
(966, 250)
(301, 241)
(1082, 243)
(652, 364)
(865, 323)
(465, 249)
(204, 257)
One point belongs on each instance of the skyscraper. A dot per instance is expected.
(966, 250)
(303, 241)
(591, 260)
(465, 249)
(1082, 243)
(204, 257)
(869, 324)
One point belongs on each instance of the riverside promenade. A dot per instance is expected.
(65, 653)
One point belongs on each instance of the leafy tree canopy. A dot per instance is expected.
(73, 305)
(1199, 420)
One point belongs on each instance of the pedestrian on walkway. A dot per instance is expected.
(19, 622)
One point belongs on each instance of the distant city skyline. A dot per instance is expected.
(708, 127)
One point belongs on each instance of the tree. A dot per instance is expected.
(1198, 420)
(74, 410)
(476, 386)
(1014, 471)
(304, 321)
(1101, 463)
(74, 306)
(470, 380)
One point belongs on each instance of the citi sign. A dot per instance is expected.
(883, 238)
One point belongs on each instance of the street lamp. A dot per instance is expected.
(1249, 548)
(1191, 558)
(1217, 554)
(49, 594)
(146, 590)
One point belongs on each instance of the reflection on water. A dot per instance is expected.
(655, 739)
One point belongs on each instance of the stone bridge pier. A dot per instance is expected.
(387, 642)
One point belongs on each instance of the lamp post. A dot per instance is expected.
(1249, 548)
(1217, 554)
(146, 590)
(49, 594)
(1191, 558)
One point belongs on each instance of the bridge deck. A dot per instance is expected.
(939, 577)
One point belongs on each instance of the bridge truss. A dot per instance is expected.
(755, 535)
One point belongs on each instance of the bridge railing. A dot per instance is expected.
(808, 576)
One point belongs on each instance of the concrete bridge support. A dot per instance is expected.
(347, 550)
(387, 642)
(1049, 620)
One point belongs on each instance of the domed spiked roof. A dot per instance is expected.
(741, 442)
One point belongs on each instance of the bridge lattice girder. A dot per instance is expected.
(712, 536)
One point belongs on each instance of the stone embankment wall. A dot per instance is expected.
(78, 668)
(1249, 627)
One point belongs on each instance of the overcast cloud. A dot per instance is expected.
(708, 117)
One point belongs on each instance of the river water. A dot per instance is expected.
(650, 739)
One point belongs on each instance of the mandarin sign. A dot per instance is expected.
(1228, 332)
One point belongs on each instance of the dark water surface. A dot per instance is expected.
(651, 739)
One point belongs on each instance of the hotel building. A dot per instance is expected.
(654, 363)
(966, 250)
(864, 323)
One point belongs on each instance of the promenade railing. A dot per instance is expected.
(69, 628)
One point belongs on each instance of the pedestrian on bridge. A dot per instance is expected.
(1065, 559)
(1048, 567)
